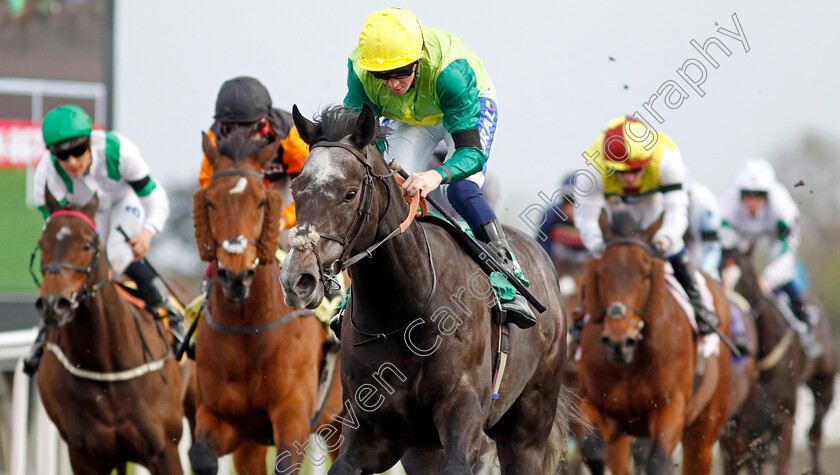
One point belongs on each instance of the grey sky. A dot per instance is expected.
(556, 87)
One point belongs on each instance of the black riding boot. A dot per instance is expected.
(684, 272)
(153, 291)
(518, 311)
(800, 312)
(33, 358)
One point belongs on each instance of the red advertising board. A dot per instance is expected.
(21, 144)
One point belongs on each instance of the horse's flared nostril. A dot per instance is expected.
(62, 306)
(630, 342)
(605, 340)
(225, 277)
(41, 306)
(247, 276)
(305, 284)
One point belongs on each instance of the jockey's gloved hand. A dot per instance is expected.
(660, 247)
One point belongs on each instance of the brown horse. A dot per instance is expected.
(639, 358)
(783, 368)
(257, 360)
(108, 379)
(418, 341)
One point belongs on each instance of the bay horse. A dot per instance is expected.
(418, 342)
(257, 360)
(639, 355)
(783, 367)
(108, 379)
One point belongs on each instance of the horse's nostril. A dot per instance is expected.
(605, 340)
(248, 276)
(225, 277)
(629, 342)
(305, 284)
(63, 305)
(40, 306)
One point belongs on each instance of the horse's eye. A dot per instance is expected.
(262, 203)
(88, 246)
(350, 195)
(209, 204)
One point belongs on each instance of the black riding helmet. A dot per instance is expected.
(242, 100)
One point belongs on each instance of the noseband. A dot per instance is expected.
(57, 267)
(238, 245)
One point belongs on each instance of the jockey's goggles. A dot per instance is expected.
(630, 171)
(260, 126)
(753, 194)
(75, 151)
(399, 73)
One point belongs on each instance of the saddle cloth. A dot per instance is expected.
(706, 345)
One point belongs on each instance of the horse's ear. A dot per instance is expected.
(651, 231)
(50, 203)
(604, 223)
(365, 127)
(210, 150)
(266, 154)
(307, 130)
(89, 208)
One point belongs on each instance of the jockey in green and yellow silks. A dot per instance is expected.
(428, 87)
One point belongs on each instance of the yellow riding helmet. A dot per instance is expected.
(391, 38)
(621, 149)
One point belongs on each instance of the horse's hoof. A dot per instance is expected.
(203, 459)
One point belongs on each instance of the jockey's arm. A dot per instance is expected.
(356, 98)
(728, 234)
(674, 202)
(459, 95)
(708, 225)
(152, 196)
(782, 266)
(42, 180)
(588, 213)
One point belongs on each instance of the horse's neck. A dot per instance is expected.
(264, 303)
(102, 335)
(397, 278)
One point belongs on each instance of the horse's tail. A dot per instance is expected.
(567, 413)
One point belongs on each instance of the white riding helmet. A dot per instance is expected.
(755, 175)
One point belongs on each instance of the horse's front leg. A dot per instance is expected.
(214, 436)
(290, 424)
(666, 430)
(459, 423)
(362, 451)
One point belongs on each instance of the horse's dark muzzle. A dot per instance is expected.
(53, 308)
(620, 352)
(235, 287)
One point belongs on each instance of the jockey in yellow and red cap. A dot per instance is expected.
(643, 171)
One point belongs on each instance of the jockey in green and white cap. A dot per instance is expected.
(80, 163)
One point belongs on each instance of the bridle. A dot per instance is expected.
(86, 292)
(237, 245)
(362, 215)
(618, 310)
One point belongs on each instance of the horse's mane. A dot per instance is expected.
(239, 145)
(336, 122)
(625, 224)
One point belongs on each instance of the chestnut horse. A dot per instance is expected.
(418, 340)
(257, 360)
(108, 379)
(639, 356)
(783, 368)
